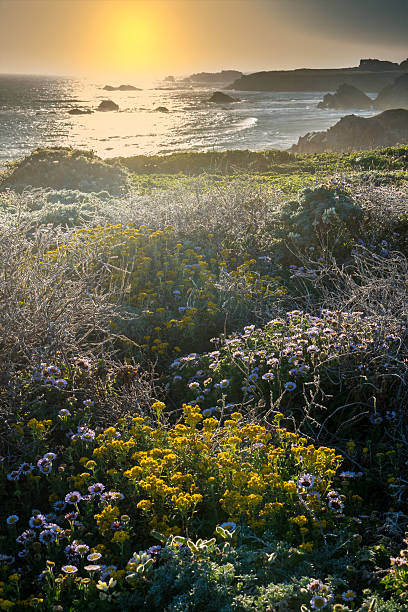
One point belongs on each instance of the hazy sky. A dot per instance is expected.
(143, 38)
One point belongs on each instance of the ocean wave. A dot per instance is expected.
(245, 124)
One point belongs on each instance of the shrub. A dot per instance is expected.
(322, 217)
(65, 168)
(341, 357)
(48, 307)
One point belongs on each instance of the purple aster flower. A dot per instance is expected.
(93, 568)
(208, 412)
(73, 497)
(45, 466)
(14, 475)
(110, 496)
(61, 383)
(53, 370)
(37, 521)
(88, 435)
(315, 585)
(64, 413)
(69, 569)
(194, 385)
(26, 468)
(318, 602)
(49, 382)
(59, 505)
(23, 553)
(229, 526)
(336, 504)
(107, 570)
(306, 481)
(96, 488)
(26, 536)
(47, 536)
(50, 456)
(71, 551)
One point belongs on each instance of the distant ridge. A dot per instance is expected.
(370, 76)
(209, 78)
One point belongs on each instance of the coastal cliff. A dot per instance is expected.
(366, 79)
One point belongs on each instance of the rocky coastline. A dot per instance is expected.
(354, 133)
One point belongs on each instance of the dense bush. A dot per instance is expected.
(325, 217)
(168, 289)
(65, 168)
(227, 162)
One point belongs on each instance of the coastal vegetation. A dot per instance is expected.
(203, 387)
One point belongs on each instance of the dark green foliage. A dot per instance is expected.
(65, 168)
(216, 162)
(319, 217)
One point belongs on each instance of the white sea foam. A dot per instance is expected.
(246, 123)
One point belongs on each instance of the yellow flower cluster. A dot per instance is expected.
(233, 470)
(38, 429)
(104, 520)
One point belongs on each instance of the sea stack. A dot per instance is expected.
(107, 105)
(346, 96)
(393, 96)
(221, 98)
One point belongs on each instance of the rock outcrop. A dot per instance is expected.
(221, 98)
(161, 109)
(107, 105)
(377, 65)
(80, 111)
(393, 96)
(346, 96)
(353, 133)
(121, 88)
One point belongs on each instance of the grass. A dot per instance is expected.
(278, 169)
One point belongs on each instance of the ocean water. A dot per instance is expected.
(34, 112)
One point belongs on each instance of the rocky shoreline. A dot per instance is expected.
(354, 133)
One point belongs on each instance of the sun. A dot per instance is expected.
(130, 39)
(135, 36)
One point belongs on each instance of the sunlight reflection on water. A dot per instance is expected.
(34, 112)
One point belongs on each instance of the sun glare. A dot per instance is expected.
(131, 39)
